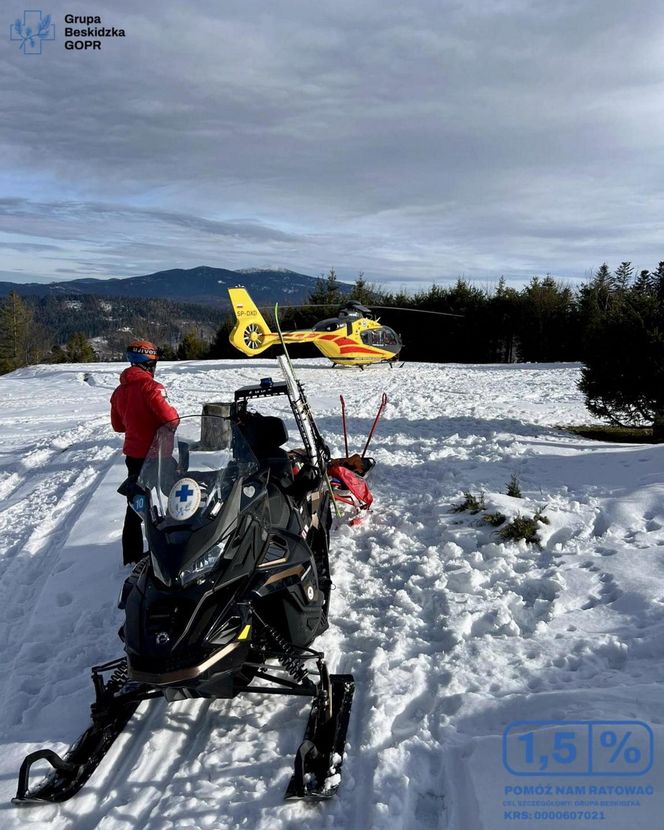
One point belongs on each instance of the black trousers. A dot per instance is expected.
(132, 532)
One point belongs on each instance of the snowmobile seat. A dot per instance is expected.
(266, 434)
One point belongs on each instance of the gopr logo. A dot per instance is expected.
(32, 31)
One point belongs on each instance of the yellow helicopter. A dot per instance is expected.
(352, 338)
(355, 337)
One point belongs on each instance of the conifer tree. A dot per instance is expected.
(191, 347)
(363, 293)
(79, 350)
(623, 376)
(15, 329)
(327, 290)
(167, 352)
(623, 276)
(221, 346)
(546, 321)
(644, 283)
(658, 281)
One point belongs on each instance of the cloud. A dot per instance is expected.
(414, 142)
(23, 247)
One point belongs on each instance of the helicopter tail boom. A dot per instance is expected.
(251, 334)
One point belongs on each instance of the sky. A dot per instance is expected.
(414, 142)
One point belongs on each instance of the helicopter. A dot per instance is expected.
(355, 337)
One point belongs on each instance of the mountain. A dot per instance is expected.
(202, 285)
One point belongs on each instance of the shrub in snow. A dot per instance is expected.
(523, 527)
(471, 503)
(514, 488)
(494, 519)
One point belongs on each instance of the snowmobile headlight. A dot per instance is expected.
(201, 566)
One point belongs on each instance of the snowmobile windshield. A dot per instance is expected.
(192, 466)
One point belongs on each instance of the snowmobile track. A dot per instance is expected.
(42, 522)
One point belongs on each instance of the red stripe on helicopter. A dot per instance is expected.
(340, 340)
(359, 350)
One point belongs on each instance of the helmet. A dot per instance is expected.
(142, 353)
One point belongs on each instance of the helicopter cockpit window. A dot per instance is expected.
(379, 337)
(193, 466)
(390, 337)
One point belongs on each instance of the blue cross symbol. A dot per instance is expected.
(31, 31)
(184, 492)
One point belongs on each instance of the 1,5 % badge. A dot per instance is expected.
(592, 747)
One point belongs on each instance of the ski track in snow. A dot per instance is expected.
(450, 633)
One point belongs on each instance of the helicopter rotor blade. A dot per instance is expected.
(303, 305)
(372, 307)
(416, 310)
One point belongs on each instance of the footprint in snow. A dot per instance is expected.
(608, 592)
(533, 589)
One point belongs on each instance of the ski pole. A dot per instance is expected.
(383, 404)
(343, 421)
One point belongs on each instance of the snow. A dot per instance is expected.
(263, 269)
(450, 632)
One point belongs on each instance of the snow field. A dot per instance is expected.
(450, 632)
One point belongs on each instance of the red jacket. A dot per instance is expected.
(138, 408)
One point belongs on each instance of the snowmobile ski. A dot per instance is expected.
(71, 772)
(319, 758)
(109, 717)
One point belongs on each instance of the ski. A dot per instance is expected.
(381, 409)
(343, 423)
(319, 758)
(71, 772)
(110, 714)
(317, 449)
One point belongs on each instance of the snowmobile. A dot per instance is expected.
(233, 592)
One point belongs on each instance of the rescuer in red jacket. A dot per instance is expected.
(139, 406)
